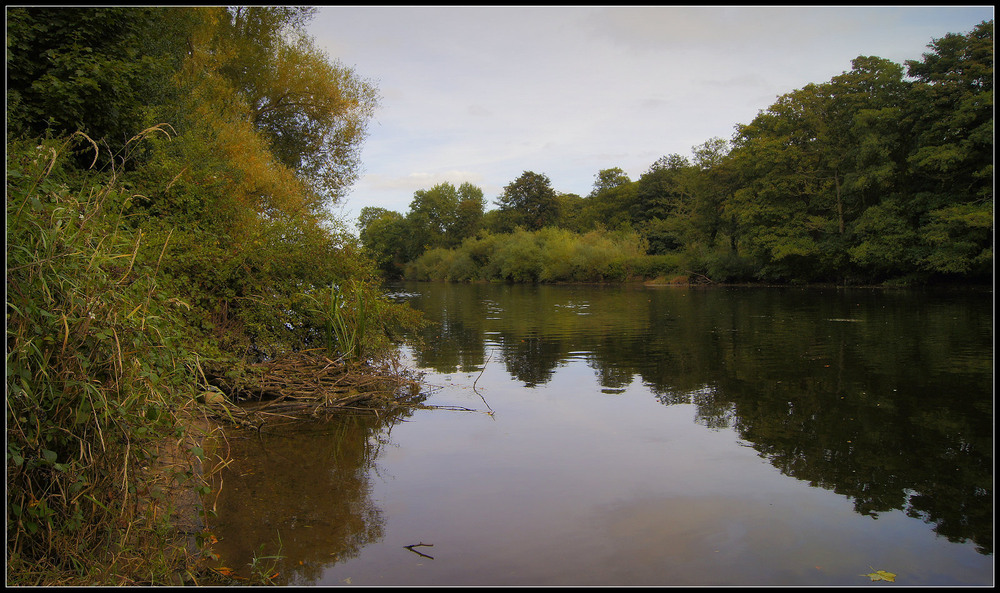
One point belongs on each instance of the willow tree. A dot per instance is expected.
(267, 133)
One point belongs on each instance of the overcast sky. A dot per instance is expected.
(482, 94)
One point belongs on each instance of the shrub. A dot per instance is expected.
(548, 255)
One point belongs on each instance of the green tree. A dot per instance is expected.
(572, 210)
(713, 182)
(530, 202)
(662, 195)
(432, 214)
(952, 160)
(778, 185)
(443, 216)
(103, 71)
(812, 163)
(610, 201)
(384, 235)
(469, 214)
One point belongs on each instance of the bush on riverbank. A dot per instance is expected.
(106, 340)
(547, 255)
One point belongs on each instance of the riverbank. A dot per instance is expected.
(699, 281)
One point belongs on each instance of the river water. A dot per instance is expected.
(636, 435)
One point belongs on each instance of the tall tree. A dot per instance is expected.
(312, 109)
(711, 182)
(952, 160)
(469, 214)
(530, 201)
(813, 162)
(432, 214)
(610, 202)
(662, 193)
(384, 235)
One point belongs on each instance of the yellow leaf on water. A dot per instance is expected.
(881, 575)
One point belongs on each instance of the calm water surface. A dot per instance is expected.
(586, 435)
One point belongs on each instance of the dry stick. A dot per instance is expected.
(451, 408)
(491, 412)
(411, 546)
(702, 275)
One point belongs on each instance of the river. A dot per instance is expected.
(638, 435)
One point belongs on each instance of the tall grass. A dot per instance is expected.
(345, 317)
(92, 378)
(358, 322)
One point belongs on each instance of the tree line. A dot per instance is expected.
(883, 174)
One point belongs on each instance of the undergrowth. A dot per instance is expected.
(94, 375)
(109, 325)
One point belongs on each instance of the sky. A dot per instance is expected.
(482, 94)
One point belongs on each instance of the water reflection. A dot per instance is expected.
(881, 396)
(300, 491)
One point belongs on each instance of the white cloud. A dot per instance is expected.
(416, 181)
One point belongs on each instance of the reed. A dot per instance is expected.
(346, 317)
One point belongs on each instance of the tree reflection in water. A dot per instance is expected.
(300, 490)
(884, 396)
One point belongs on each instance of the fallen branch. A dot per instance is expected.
(491, 412)
(310, 383)
(411, 546)
(707, 279)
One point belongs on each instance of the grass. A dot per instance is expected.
(93, 382)
(346, 316)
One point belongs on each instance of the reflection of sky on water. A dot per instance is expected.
(568, 485)
(713, 441)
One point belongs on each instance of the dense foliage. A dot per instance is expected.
(883, 174)
(547, 255)
(169, 172)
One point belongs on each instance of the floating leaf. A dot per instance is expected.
(881, 575)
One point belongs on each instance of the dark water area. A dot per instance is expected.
(632, 435)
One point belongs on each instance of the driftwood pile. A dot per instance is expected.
(311, 382)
